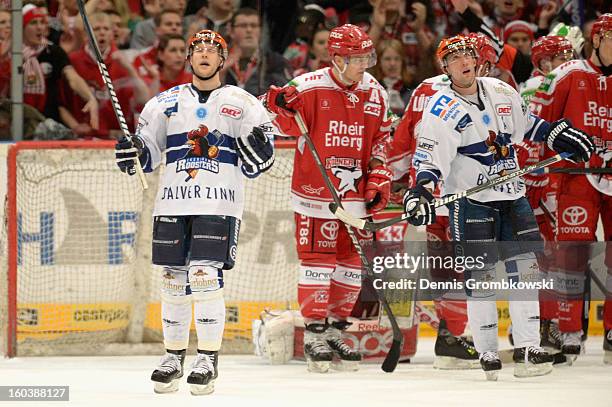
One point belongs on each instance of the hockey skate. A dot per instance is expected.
(491, 364)
(345, 358)
(316, 350)
(170, 370)
(608, 347)
(550, 336)
(571, 345)
(532, 361)
(203, 373)
(453, 352)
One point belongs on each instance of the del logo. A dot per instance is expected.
(371, 108)
(444, 107)
(504, 109)
(231, 111)
(203, 152)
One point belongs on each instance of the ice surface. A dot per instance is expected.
(248, 381)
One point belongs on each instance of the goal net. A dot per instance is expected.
(76, 254)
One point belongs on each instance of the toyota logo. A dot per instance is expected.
(329, 230)
(574, 215)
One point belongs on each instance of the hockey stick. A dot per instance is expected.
(576, 171)
(111, 89)
(374, 226)
(392, 358)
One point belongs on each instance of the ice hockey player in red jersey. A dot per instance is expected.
(581, 90)
(547, 53)
(452, 350)
(345, 111)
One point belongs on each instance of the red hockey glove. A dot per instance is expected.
(283, 101)
(378, 188)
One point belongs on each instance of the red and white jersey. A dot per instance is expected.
(404, 143)
(349, 127)
(578, 91)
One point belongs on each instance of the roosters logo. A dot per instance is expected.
(499, 151)
(204, 148)
(349, 178)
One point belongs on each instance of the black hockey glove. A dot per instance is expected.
(256, 153)
(127, 151)
(563, 138)
(419, 206)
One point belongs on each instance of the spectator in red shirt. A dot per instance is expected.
(309, 21)
(144, 34)
(45, 65)
(388, 21)
(520, 35)
(166, 22)
(169, 68)
(128, 85)
(391, 72)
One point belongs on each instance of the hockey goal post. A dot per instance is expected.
(76, 243)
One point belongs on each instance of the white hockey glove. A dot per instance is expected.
(256, 153)
(418, 205)
(127, 151)
(563, 138)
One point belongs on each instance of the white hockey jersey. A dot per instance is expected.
(467, 143)
(197, 142)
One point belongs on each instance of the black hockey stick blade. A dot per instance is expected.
(392, 358)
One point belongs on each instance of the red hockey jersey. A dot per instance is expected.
(405, 137)
(578, 91)
(349, 127)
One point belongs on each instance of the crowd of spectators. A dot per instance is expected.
(143, 43)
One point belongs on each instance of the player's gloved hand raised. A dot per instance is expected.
(256, 153)
(378, 188)
(419, 206)
(127, 151)
(283, 101)
(563, 138)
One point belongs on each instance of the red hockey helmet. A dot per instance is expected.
(484, 48)
(548, 47)
(348, 40)
(208, 37)
(454, 44)
(602, 24)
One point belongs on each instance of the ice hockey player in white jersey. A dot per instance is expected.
(210, 137)
(467, 136)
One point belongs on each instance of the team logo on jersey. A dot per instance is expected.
(349, 178)
(445, 108)
(502, 153)
(204, 149)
